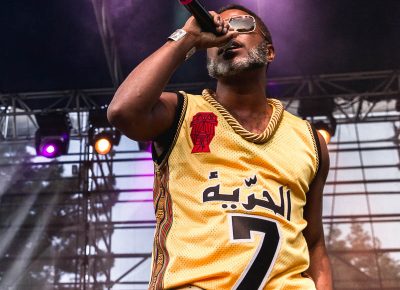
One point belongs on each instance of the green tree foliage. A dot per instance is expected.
(355, 263)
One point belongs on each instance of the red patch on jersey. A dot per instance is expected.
(203, 131)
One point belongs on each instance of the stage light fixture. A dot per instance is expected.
(102, 136)
(145, 146)
(52, 136)
(319, 111)
(103, 144)
(314, 106)
(327, 128)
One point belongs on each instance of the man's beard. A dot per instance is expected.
(226, 68)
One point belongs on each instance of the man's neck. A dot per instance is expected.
(245, 92)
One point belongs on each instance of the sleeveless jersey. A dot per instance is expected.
(229, 203)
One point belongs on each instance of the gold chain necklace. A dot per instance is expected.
(273, 123)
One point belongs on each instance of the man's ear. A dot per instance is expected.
(270, 51)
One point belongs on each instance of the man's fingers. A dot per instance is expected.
(224, 33)
(227, 26)
(217, 18)
(221, 25)
(222, 40)
(218, 22)
(220, 29)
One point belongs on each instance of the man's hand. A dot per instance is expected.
(205, 40)
(140, 108)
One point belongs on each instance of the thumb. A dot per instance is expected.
(221, 40)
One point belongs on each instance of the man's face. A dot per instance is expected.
(245, 52)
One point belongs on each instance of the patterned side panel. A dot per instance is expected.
(317, 151)
(163, 208)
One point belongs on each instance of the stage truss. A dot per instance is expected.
(359, 98)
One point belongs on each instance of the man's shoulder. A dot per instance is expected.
(292, 119)
(191, 95)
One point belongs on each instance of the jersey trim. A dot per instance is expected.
(164, 218)
(173, 132)
(317, 146)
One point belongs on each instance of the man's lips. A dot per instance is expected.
(230, 46)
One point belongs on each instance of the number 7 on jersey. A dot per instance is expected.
(242, 230)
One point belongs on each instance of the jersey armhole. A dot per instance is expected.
(168, 139)
(317, 147)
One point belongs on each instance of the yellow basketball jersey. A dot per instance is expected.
(229, 203)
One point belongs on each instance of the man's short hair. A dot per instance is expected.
(260, 23)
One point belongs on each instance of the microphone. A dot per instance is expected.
(203, 17)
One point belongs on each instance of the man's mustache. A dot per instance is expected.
(231, 44)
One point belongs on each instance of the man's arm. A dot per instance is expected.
(140, 108)
(320, 268)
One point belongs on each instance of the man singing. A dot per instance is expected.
(238, 180)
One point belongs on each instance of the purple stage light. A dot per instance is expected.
(52, 136)
(50, 148)
(145, 146)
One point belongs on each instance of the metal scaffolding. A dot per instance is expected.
(358, 97)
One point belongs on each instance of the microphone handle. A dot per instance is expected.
(201, 14)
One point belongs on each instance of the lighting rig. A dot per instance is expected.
(52, 136)
(320, 113)
(145, 146)
(326, 127)
(102, 135)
